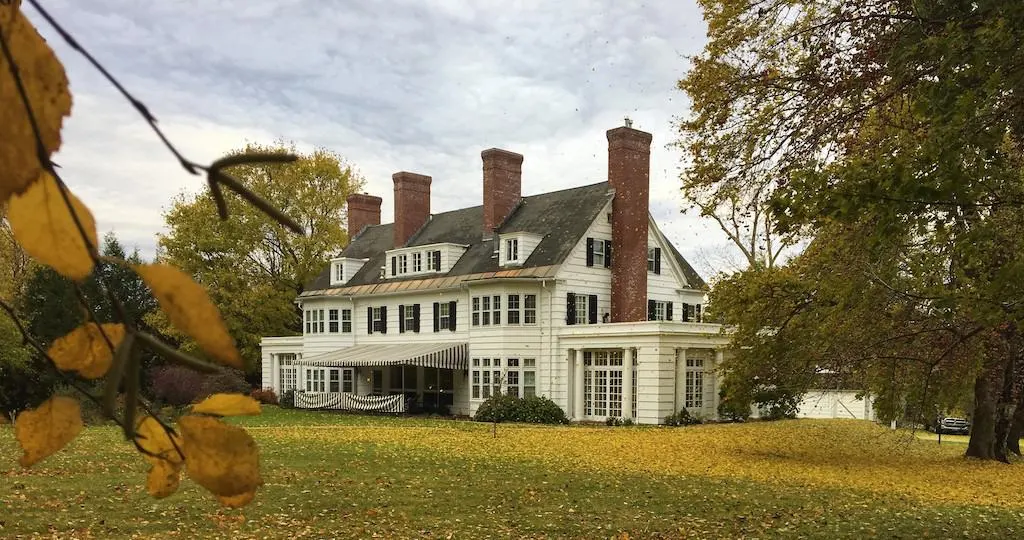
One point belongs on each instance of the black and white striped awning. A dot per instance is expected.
(435, 355)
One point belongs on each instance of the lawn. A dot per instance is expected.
(334, 475)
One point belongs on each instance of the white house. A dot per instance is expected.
(574, 294)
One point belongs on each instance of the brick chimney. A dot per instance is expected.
(629, 165)
(412, 204)
(503, 183)
(363, 210)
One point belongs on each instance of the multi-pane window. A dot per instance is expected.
(339, 272)
(410, 318)
(443, 316)
(512, 377)
(694, 398)
(657, 310)
(512, 250)
(520, 377)
(513, 309)
(476, 311)
(286, 372)
(691, 313)
(485, 313)
(315, 321)
(403, 264)
(650, 260)
(496, 310)
(476, 379)
(582, 310)
(529, 377)
(348, 380)
(417, 262)
(315, 380)
(602, 383)
(378, 319)
(530, 309)
(485, 389)
(486, 310)
(309, 321)
(346, 321)
(334, 381)
(496, 377)
(332, 321)
(599, 253)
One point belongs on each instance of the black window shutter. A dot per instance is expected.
(668, 311)
(383, 319)
(401, 319)
(592, 309)
(394, 265)
(607, 253)
(451, 315)
(369, 320)
(570, 308)
(657, 260)
(650, 310)
(590, 252)
(437, 260)
(696, 313)
(686, 312)
(437, 316)
(416, 318)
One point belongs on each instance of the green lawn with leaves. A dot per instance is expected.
(340, 476)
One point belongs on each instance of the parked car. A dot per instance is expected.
(953, 426)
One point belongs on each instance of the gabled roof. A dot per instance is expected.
(561, 218)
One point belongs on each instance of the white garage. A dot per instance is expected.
(835, 404)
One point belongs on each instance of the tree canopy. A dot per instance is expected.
(889, 131)
(253, 267)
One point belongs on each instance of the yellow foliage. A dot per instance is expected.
(221, 458)
(163, 479)
(84, 350)
(44, 227)
(46, 86)
(228, 405)
(48, 428)
(190, 309)
(153, 438)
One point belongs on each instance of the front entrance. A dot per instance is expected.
(602, 384)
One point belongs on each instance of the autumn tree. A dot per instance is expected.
(903, 118)
(252, 265)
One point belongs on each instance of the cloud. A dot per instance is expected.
(404, 85)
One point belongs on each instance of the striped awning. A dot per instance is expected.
(435, 355)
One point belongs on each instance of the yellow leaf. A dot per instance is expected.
(46, 85)
(153, 438)
(190, 309)
(44, 227)
(47, 428)
(84, 350)
(237, 501)
(163, 479)
(221, 458)
(228, 405)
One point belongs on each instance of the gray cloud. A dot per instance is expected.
(404, 85)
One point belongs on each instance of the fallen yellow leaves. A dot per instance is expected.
(46, 86)
(85, 350)
(190, 309)
(228, 405)
(42, 224)
(47, 428)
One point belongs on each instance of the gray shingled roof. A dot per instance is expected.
(560, 217)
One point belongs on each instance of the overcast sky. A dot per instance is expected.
(415, 85)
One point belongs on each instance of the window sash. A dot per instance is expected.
(378, 321)
(530, 309)
(443, 316)
(582, 310)
(496, 310)
(417, 262)
(346, 321)
(332, 325)
(598, 252)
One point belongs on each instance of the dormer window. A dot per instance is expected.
(417, 262)
(339, 272)
(512, 250)
(343, 268)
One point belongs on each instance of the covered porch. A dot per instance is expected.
(403, 378)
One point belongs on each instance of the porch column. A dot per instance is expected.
(719, 357)
(680, 379)
(629, 355)
(577, 405)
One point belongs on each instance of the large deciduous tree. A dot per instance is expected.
(252, 265)
(902, 119)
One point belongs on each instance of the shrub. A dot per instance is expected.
(287, 400)
(225, 381)
(628, 421)
(733, 410)
(176, 385)
(266, 396)
(682, 418)
(776, 404)
(534, 410)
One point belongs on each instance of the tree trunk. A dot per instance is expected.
(983, 429)
(1016, 428)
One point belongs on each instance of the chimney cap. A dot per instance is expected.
(501, 154)
(628, 123)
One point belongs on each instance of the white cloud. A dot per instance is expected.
(405, 85)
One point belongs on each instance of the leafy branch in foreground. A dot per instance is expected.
(58, 230)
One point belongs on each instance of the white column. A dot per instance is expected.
(681, 380)
(719, 357)
(577, 406)
(629, 359)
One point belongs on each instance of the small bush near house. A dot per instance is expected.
(225, 381)
(534, 410)
(266, 396)
(733, 410)
(176, 385)
(287, 400)
(682, 418)
(615, 421)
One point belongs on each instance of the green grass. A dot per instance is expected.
(335, 485)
